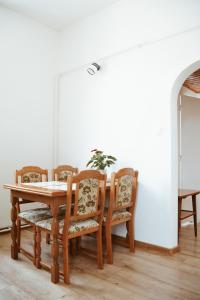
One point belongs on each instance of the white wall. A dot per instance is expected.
(126, 109)
(190, 163)
(27, 70)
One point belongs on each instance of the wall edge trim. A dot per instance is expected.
(145, 246)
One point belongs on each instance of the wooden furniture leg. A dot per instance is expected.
(195, 214)
(48, 236)
(55, 245)
(179, 217)
(109, 245)
(38, 248)
(104, 234)
(99, 249)
(66, 267)
(127, 232)
(131, 235)
(14, 230)
(18, 228)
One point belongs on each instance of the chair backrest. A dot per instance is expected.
(88, 188)
(31, 174)
(62, 172)
(123, 190)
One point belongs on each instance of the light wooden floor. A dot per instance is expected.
(141, 276)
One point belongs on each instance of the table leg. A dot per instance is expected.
(55, 245)
(14, 234)
(179, 217)
(195, 213)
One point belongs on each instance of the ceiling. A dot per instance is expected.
(193, 82)
(56, 14)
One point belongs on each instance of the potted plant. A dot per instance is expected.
(100, 161)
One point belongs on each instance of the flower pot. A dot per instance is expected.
(102, 171)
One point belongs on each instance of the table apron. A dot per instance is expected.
(49, 200)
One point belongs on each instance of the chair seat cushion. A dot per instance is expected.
(118, 215)
(39, 214)
(74, 226)
(35, 215)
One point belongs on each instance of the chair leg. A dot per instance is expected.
(38, 248)
(109, 245)
(131, 236)
(104, 233)
(195, 214)
(18, 228)
(179, 217)
(99, 249)
(48, 236)
(66, 267)
(34, 245)
(18, 234)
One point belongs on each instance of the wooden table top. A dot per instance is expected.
(48, 189)
(183, 193)
(32, 189)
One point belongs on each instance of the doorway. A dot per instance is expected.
(189, 146)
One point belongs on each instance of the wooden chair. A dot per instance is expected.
(121, 208)
(62, 172)
(183, 213)
(84, 217)
(30, 174)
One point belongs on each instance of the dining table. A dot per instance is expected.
(51, 193)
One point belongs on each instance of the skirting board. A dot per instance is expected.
(5, 229)
(138, 244)
(8, 228)
(122, 241)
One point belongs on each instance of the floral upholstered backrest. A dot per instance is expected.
(87, 198)
(62, 176)
(124, 190)
(31, 174)
(62, 172)
(31, 177)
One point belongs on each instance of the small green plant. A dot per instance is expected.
(100, 161)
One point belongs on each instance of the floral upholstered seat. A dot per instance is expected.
(73, 228)
(118, 215)
(35, 215)
(39, 214)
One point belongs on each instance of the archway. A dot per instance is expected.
(174, 133)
